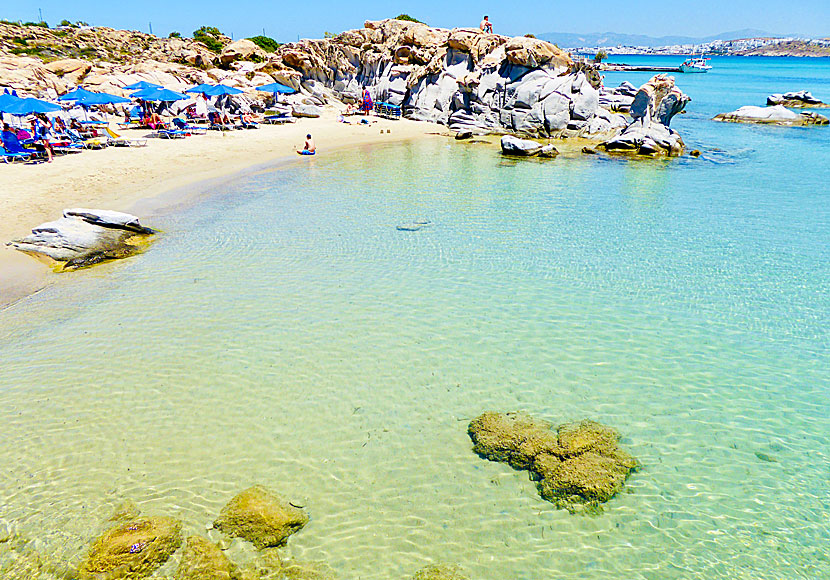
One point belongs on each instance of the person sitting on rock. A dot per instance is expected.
(486, 25)
(308, 148)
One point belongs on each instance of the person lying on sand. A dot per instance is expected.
(308, 148)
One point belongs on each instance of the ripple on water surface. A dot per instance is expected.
(285, 333)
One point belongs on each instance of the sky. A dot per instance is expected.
(286, 21)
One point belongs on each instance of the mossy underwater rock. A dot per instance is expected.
(203, 560)
(441, 572)
(133, 549)
(576, 464)
(261, 517)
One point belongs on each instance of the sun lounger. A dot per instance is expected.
(279, 119)
(187, 128)
(170, 134)
(119, 141)
(10, 157)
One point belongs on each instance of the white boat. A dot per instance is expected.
(695, 65)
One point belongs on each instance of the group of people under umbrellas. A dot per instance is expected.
(42, 129)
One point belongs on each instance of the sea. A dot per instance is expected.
(282, 331)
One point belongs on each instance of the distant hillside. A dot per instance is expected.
(570, 40)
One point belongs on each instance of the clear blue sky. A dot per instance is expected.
(287, 20)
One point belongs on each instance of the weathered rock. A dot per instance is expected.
(261, 517)
(775, 115)
(132, 550)
(83, 237)
(241, 50)
(203, 560)
(548, 151)
(441, 572)
(652, 109)
(796, 100)
(511, 145)
(306, 111)
(293, 570)
(579, 463)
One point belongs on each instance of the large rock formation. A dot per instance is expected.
(133, 549)
(575, 465)
(83, 237)
(652, 110)
(775, 115)
(261, 517)
(796, 100)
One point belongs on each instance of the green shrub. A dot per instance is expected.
(265, 43)
(81, 23)
(209, 36)
(600, 56)
(174, 34)
(18, 40)
(408, 18)
(41, 24)
(528, 35)
(65, 22)
(10, 23)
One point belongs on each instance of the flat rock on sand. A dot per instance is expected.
(261, 517)
(133, 549)
(203, 560)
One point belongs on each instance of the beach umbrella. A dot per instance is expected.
(276, 88)
(7, 100)
(100, 99)
(159, 95)
(203, 88)
(143, 85)
(221, 90)
(29, 106)
(75, 94)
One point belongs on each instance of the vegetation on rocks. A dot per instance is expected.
(210, 37)
(266, 43)
(408, 18)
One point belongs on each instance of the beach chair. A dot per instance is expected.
(119, 141)
(9, 157)
(279, 119)
(192, 129)
(170, 134)
(12, 145)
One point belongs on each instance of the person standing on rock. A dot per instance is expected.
(486, 25)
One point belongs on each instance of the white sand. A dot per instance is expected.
(117, 177)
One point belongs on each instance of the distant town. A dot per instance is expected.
(816, 47)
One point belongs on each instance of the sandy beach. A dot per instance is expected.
(117, 178)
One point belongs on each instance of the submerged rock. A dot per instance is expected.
(578, 463)
(652, 110)
(796, 100)
(441, 572)
(511, 145)
(132, 550)
(203, 560)
(776, 115)
(294, 570)
(261, 517)
(83, 237)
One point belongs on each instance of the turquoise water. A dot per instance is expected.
(283, 332)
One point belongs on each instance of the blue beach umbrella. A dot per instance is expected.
(159, 95)
(203, 88)
(75, 94)
(222, 90)
(100, 99)
(276, 88)
(7, 100)
(29, 106)
(142, 85)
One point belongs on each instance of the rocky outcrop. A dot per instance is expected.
(241, 50)
(83, 237)
(203, 560)
(575, 465)
(618, 99)
(519, 147)
(776, 115)
(796, 100)
(652, 110)
(132, 550)
(261, 517)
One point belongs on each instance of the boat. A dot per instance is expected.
(695, 65)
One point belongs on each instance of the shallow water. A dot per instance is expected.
(284, 332)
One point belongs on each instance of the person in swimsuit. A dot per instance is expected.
(486, 25)
(308, 148)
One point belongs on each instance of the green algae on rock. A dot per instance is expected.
(133, 549)
(577, 464)
(203, 560)
(261, 517)
(441, 572)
